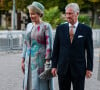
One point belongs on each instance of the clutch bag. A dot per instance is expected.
(46, 74)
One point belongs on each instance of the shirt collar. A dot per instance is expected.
(75, 25)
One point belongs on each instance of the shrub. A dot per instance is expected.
(84, 19)
(53, 16)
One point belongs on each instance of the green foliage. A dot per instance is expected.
(49, 3)
(22, 4)
(6, 5)
(53, 16)
(95, 26)
(84, 19)
(62, 4)
(2, 28)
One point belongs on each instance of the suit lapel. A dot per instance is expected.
(76, 33)
(67, 36)
(66, 33)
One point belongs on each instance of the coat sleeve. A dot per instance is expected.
(24, 42)
(56, 48)
(48, 37)
(26, 39)
(24, 47)
(89, 49)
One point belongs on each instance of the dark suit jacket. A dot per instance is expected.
(78, 55)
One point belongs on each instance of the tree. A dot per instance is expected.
(22, 4)
(53, 16)
(85, 5)
(5, 5)
(93, 5)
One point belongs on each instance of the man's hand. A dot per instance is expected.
(88, 74)
(54, 71)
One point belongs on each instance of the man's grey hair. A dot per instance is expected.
(74, 6)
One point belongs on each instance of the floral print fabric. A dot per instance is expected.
(40, 49)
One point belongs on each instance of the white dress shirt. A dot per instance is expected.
(74, 27)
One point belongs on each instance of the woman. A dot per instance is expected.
(36, 49)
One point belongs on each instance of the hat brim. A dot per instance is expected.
(35, 9)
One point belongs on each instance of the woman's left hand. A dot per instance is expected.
(23, 66)
(47, 61)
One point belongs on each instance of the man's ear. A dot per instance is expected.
(77, 13)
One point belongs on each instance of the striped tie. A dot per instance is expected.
(71, 33)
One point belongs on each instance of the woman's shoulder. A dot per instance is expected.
(46, 23)
(29, 25)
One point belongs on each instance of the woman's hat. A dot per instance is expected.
(37, 7)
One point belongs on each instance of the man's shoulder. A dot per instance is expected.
(84, 26)
(46, 23)
(64, 23)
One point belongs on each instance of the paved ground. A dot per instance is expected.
(11, 76)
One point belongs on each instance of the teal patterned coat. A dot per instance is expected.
(41, 48)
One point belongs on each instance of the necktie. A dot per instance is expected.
(71, 33)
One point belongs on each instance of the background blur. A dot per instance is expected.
(14, 13)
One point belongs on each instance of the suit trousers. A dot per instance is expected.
(66, 80)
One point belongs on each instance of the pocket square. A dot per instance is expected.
(80, 36)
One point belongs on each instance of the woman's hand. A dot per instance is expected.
(47, 61)
(23, 65)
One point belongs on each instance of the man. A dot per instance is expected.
(72, 57)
